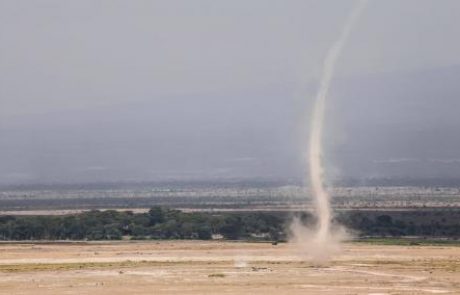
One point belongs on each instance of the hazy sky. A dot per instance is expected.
(145, 90)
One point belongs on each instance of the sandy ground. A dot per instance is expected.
(192, 267)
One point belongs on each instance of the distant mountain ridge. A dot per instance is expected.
(385, 126)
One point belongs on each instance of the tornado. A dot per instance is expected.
(321, 197)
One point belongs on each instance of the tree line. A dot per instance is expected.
(163, 223)
(158, 223)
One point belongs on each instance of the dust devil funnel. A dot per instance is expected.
(322, 240)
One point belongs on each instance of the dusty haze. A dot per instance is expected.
(143, 90)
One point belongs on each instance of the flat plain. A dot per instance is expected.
(215, 267)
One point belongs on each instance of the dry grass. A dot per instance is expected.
(191, 267)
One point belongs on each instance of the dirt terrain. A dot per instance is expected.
(193, 267)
